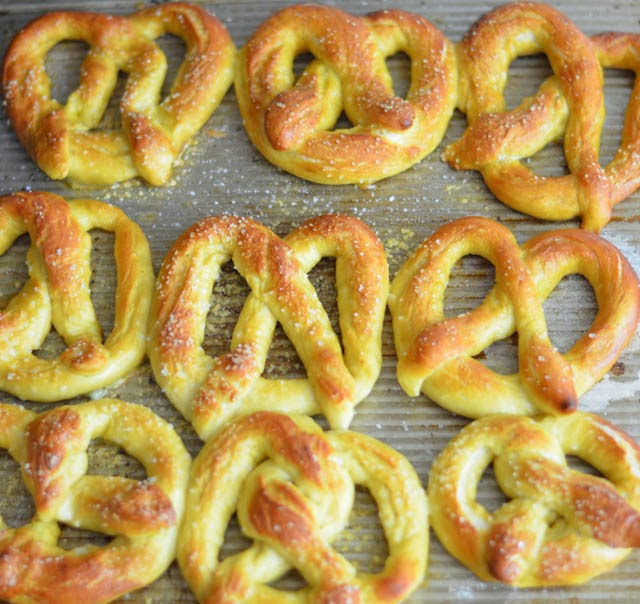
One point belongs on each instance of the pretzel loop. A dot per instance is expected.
(435, 353)
(560, 526)
(57, 295)
(290, 120)
(141, 516)
(496, 139)
(292, 485)
(67, 141)
(210, 391)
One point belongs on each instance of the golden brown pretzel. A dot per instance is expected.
(560, 526)
(141, 516)
(58, 295)
(209, 391)
(290, 120)
(435, 353)
(66, 141)
(293, 487)
(496, 139)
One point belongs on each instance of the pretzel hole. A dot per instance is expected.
(489, 494)
(363, 541)
(618, 85)
(63, 64)
(234, 541)
(229, 292)
(175, 51)
(104, 278)
(105, 458)
(578, 464)
(569, 311)
(399, 68)
(14, 272)
(470, 280)
(71, 538)
(16, 504)
(525, 75)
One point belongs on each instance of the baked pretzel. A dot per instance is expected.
(570, 104)
(141, 516)
(210, 391)
(559, 526)
(290, 120)
(293, 488)
(57, 294)
(435, 353)
(67, 140)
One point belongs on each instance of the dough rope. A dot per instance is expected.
(559, 526)
(210, 391)
(435, 353)
(142, 517)
(293, 487)
(290, 120)
(57, 295)
(67, 141)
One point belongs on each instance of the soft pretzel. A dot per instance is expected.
(210, 391)
(570, 104)
(57, 294)
(141, 516)
(293, 488)
(559, 526)
(435, 353)
(291, 120)
(67, 140)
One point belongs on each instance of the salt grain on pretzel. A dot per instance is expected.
(210, 391)
(496, 139)
(435, 353)
(57, 294)
(140, 517)
(68, 141)
(292, 486)
(290, 120)
(559, 526)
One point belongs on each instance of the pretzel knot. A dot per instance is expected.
(293, 488)
(290, 119)
(210, 391)
(560, 526)
(142, 517)
(435, 352)
(569, 104)
(68, 141)
(57, 294)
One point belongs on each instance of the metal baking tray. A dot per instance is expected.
(221, 172)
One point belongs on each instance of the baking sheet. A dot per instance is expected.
(221, 172)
